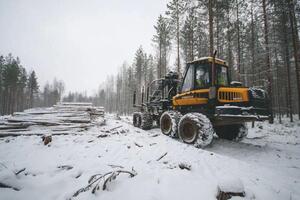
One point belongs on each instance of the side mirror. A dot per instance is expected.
(235, 83)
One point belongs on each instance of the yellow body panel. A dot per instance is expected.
(225, 95)
(190, 98)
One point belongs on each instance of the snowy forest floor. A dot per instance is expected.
(266, 164)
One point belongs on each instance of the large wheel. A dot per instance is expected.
(147, 121)
(232, 132)
(169, 123)
(137, 119)
(195, 128)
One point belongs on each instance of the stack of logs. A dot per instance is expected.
(62, 118)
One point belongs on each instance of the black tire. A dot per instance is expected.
(157, 122)
(243, 132)
(169, 123)
(195, 128)
(137, 119)
(232, 132)
(147, 121)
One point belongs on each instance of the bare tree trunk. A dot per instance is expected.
(252, 45)
(160, 61)
(268, 62)
(211, 35)
(229, 51)
(295, 39)
(238, 41)
(217, 35)
(287, 65)
(192, 48)
(278, 84)
(178, 39)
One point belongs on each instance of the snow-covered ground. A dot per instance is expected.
(266, 164)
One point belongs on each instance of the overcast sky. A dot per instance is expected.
(78, 41)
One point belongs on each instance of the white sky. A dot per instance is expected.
(78, 41)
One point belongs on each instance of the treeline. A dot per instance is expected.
(259, 39)
(19, 89)
(51, 93)
(116, 93)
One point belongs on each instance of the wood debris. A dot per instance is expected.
(95, 181)
(65, 167)
(184, 166)
(138, 145)
(162, 156)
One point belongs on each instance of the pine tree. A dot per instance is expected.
(1, 83)
(10, 79)
(175, 10)
(21, 92)
(211, 26)
(296, 47)
(188, 33)
(268, 61)
(139, 61)
(33, 88)
(162, 40)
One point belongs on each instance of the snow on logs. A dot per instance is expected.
(62, 118)
(229, 188)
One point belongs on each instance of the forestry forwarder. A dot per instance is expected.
(205, 103)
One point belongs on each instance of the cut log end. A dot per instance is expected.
(230, 188)
(47, 139)
(227, 195)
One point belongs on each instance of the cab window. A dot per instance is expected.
(222, 77)
(188, 80)
(202, 76)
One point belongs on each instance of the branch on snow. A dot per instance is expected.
(162, 156)
(95, 181)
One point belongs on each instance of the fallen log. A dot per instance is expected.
(75, 103)
(13, 130)
(2, 135)
(34, 122)
(77, 120)
(6, 127)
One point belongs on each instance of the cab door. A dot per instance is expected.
(189, 94)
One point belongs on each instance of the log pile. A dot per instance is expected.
(63, 118)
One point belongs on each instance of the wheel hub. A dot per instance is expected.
(166, 125)
(188, 133)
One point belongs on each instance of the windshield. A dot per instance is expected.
(188, 81)
(198, 76)
(222, 77)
